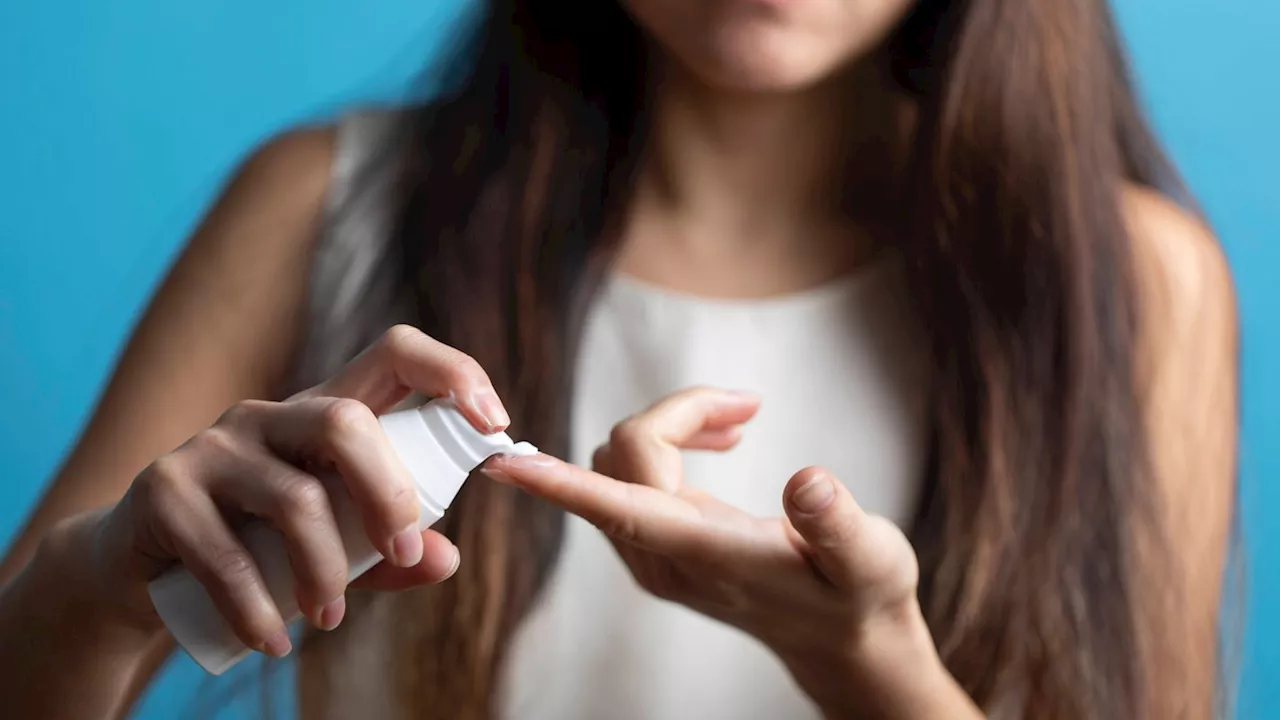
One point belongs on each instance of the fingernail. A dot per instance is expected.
(537, 459)
(496, 475)
(490, 408)
(814, 496)
(457, 562)
(278, 646)
(331, 615)
(743, 394)
(406, 547)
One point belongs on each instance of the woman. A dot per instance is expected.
(933, 236)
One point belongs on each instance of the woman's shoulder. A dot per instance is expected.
(1187, 310)
(308, 164)
(293, 164)
(301, 181)
(1183, 275)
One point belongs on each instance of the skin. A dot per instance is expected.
(739, 144)
(830, 589)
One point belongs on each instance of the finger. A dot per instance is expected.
(701, 418)
(718, 440)
(347, 434)
(440, 560)
(640, 518)
(682, 416)
(212, 553)
(297, 505)
(633, 514)
(405, 359)
(602, 460)
(714, 440)
(832, 525)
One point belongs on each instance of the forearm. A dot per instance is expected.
(60, 655)
(922, 693)
(894, 674)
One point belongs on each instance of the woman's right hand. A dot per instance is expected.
(259, 460)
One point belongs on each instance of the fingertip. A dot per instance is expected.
(810, 491)
(483, 408)
(440, 560)
(406, 547)
(507, 465)
(736, 407)
(715, 440)
(802, 477)
(331, 614)
(440, 557)
(453, 570)
(278, 645)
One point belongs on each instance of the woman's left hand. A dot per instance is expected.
(829, 588)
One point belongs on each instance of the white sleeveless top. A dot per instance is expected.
(839, 369)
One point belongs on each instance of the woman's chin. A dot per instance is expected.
(762, 71)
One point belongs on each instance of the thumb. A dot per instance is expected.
(405, 359)
(835, 528)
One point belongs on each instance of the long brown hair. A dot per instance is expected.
(1040, 490)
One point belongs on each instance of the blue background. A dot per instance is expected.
(119, 120)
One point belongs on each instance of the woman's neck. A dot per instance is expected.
(745, 157)
(751, 180)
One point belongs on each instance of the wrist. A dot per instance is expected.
(68, 651)
(890, 668)
(71, 577)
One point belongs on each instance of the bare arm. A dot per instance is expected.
(1189, 368)
(63, 658)
(221, 329)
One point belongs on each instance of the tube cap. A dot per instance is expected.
(440, 448)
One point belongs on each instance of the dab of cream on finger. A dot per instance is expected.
(522, 448)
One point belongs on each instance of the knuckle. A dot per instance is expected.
(162, 503)
(622, 529)
(462, 370)
(303, 498)
(402, 498)
(344, 418)
(165, 470)
(231, 569)
(600, 460)
(391, 506)
(217, 441)
(321, 579)
(241, 413)
(162, 486)
(628, 435)
(632, 444)
(331, 581)
(398, 338)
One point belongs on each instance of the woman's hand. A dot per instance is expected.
(259, 460)
(830, 589)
